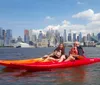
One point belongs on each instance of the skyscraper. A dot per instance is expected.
(74, 37)
(80, 37)
(4, 34)
(57, 37)
(8, 36)
(88, 37)
(30, 34)
(1, 33)
(40, 36)
(98, 36)
(26, 36)
(77, 38)
(1, 37)
(61, 39)
(84, 38)
(69, 37)
(64, 35)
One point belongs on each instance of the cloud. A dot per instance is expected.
(88, 14)
(66, 22)
(93, 26)
(49, 18)
(79, 3)
(96, 17)
(52, 27)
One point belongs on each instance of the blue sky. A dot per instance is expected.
(38, 14)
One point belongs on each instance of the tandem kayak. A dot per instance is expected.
(38, 64)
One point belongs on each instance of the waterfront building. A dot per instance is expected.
(48, 34)
(34, 38)
(74, 37)
(19, 39)
(98, 35)
(40, 36)
(43, 43)
(30, 34)
(69, 37)
(61, 39)
(1, 37)
(65, 35)
(1, 33)
(26, 36)
(88, 37)
(84, 38)
(93, 34)
(53, 37)
(4, 34)
(57, 37)
(80, 37)
(8, 37)
(52, 41)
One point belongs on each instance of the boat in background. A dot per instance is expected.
(22, 45)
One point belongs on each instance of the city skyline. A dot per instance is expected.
(78, 15)
(49, 38)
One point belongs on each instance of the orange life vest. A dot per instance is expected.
(73, 51)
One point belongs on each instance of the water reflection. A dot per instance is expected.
(76, 74)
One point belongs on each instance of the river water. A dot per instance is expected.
(83, 75)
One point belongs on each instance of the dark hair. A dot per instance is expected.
(62, 50)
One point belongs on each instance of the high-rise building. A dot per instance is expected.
(26, 36)
(65, 35)
(30, 34)
(74, 37)
(1, 37)
(98, 36)
(1, 33)
(4, 34)
(40, 36)
(69, 37)
(61, 39)
(80, 37)
(88, 37)
(8, 37)
(57, 37)
(84, 38)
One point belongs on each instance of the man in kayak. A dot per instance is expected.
(58, 54)
(76, 52)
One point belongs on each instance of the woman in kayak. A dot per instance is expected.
(58, 54)
(76, 52)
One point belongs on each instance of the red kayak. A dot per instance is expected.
(38, 64)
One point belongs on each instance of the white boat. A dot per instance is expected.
(22, 45)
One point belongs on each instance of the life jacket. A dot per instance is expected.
(73, 51)
(77, 51)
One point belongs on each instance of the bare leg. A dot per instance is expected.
(62, 58)
(70, 58)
